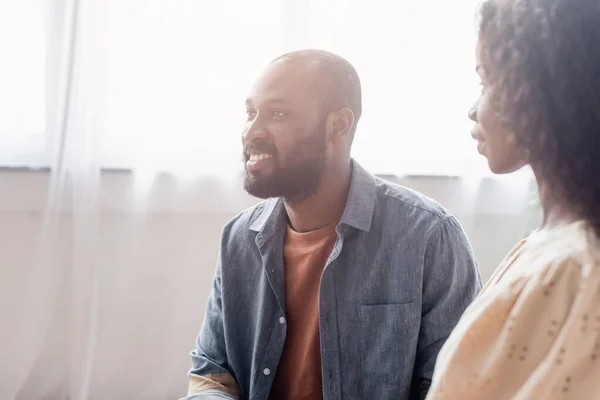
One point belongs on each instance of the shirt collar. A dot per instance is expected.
(358, 211)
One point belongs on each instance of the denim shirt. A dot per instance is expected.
(399, 276)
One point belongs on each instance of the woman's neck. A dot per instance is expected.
(556, 211)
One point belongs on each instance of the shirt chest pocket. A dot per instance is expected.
(388, 343)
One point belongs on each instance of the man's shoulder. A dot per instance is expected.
(394, 198)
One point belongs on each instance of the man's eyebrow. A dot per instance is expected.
(277, 100)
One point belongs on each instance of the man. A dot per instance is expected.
(339, 285)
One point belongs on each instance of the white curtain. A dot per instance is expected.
(170, 78)
(103, 284)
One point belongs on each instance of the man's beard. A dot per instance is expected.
(297, 178)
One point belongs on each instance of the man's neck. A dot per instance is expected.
(323, 208)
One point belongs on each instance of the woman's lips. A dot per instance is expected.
(481, 143)
(476, 134)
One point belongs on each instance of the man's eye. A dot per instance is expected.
(278, 114)
(251, 114)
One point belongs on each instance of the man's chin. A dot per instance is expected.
(258, 187)
(291, 185)
(259, 194)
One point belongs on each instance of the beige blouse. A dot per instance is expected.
(534, 331)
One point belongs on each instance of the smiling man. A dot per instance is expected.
(339, 285)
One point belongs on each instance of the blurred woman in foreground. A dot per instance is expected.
(534, 332)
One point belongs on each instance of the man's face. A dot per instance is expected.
(284, 136)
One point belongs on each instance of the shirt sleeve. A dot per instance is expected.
(451, 281)
(210, 376)
(536, 338)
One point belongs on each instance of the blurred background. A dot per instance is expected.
(120, 161)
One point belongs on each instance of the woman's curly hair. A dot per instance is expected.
(542, 63)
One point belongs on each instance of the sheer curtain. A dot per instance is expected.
(107, 289)
(174, 76)
(178, 73)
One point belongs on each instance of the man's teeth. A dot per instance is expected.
(258, 157)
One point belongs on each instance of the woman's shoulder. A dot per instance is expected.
(566, 255)
(550, 255)
(574, 244)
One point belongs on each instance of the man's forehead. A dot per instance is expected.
(287, 81)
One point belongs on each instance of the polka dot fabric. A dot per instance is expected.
(534, 331)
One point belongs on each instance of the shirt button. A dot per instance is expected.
(282, 320)
(267, 371)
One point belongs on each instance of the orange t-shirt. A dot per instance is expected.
(299, 370)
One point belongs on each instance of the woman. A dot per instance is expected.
(534, 332)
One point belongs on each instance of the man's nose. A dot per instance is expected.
(254, 130)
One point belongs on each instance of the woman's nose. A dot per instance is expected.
(473, 113)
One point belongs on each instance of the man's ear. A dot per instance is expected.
(340, 124)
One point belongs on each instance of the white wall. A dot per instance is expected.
(176, 242)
